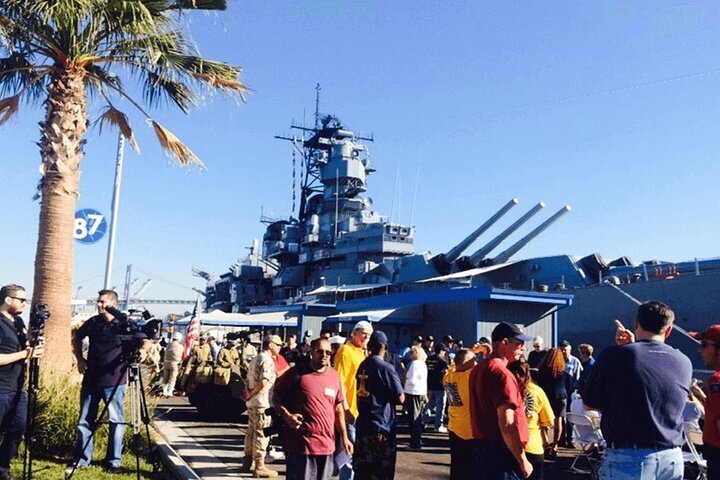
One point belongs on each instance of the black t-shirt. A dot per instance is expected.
(535, 357)
(378, 389)
(641, 389)
(105, 365)
(12, 340)
(292, 356)
(436, 367)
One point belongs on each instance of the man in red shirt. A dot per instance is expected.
(710, 351)
(310, 398)
(499, 424)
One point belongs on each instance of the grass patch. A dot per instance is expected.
(55, 470)
(58, 409)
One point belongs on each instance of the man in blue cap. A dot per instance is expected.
(378, 391)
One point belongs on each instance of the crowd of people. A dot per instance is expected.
(337, 399)
(503, 408)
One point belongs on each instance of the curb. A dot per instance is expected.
(170, 457)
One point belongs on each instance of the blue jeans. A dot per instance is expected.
(13, 413)
(642, 464)
(346, 471)
(89, 402)
(436, 400)
(493, 461)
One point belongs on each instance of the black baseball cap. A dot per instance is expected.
(565, 343)
(448, 338)
(418, 339)
(377, 339)
(509, 331)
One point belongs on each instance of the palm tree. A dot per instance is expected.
(66, 53)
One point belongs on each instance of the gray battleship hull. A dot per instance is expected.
(694, 298)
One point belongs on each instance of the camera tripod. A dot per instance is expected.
(139, 415)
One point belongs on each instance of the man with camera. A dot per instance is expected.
(309, 398)
(13, 354)
(105, 378)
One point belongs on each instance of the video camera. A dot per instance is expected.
(38, 317)
(132, 329)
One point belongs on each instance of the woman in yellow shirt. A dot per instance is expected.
(540, 417)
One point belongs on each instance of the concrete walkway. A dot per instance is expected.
(213, 451)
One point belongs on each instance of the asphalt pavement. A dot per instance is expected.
(213, 450)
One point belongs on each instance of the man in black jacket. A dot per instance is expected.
(104, 373)
(13, 354)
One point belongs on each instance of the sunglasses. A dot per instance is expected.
(320, 351)
(23, 300)
(705, 343)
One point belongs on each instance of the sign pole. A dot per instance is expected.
(114, 212)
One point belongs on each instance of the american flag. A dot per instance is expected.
(193, 331)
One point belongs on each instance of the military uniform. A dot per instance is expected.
(228, 357)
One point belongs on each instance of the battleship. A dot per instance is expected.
(337, 248)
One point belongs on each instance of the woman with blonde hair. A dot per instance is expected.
(539, 414)
(416, 394)
(553, 379)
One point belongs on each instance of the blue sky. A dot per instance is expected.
(610, 107)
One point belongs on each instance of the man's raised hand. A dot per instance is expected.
(623, 336)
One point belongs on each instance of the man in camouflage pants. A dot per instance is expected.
(378, 391)
(261, 378)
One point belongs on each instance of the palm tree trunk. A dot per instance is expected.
(61, 145)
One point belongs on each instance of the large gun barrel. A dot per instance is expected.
(505, 256)
(482, 252)
(455, 252)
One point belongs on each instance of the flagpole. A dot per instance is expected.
(113, 214)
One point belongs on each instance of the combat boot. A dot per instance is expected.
(247, 464)
(263, 472)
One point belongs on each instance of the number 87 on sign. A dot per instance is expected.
(90, 225)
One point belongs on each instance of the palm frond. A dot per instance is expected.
(199, 5)
(158, 87)
(172, 146)
(8, 107)
(118, 119)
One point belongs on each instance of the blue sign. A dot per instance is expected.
(90, 225)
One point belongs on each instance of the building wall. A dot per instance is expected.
(310, 322)
(459, 319)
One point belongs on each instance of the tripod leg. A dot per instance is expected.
(94, 420)
(145, 416)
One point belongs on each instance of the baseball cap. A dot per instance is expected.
(275, 339)
(565, 343)
(712, 334)
(448, 338)
(509, 331)
(337, 340)
(377, 339)
(363, 325)
(418, 339)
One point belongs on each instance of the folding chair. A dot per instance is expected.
(693, 437)
(592, 444)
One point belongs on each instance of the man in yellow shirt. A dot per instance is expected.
(347, 360)
(457, 388)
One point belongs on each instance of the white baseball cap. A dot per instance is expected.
(363, 325)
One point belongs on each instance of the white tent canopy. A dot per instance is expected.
(220, 318)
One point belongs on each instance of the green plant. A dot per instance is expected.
(58, 411)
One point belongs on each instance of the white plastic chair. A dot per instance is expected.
(592, 444)
(693, 437)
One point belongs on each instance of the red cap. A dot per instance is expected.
(712, 334)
